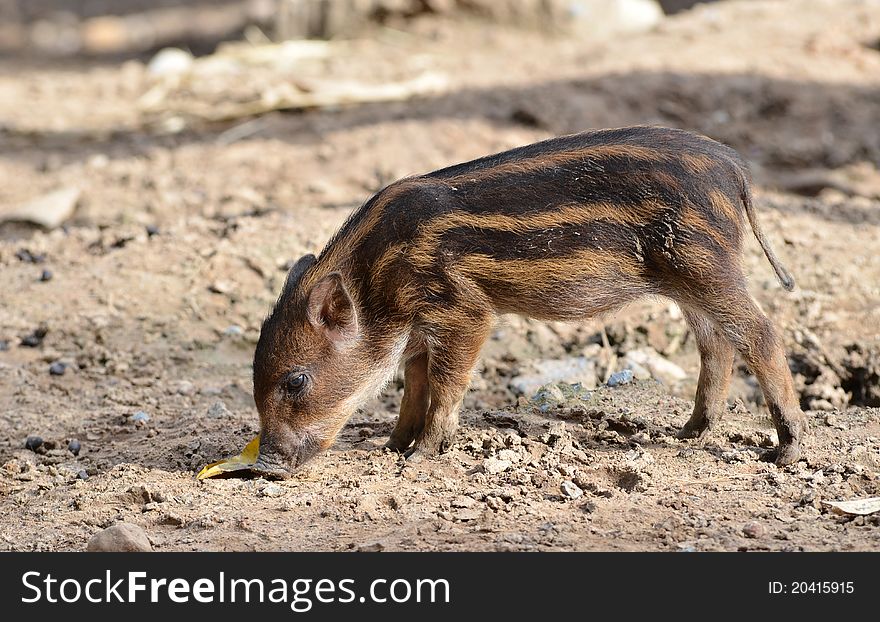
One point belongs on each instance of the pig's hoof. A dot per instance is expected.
(788, 453)
(415, 456)
(699, 431)
(397, 445)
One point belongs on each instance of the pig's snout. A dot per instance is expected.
(280, 455)
(271, 465)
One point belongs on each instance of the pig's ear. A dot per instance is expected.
(331, 309)
(296, 273)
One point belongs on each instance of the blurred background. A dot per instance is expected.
(162, 162)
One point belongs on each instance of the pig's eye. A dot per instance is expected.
(295, 383)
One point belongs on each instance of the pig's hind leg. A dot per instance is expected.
(752, 333)
(716, 366)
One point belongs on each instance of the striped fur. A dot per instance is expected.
(564, 229)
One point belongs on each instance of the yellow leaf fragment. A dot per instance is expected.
(242, 462)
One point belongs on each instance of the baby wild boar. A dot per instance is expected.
(565, 229)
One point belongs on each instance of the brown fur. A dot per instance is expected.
(566, 229)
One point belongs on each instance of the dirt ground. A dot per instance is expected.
(177, 250)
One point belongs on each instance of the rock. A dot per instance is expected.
(831, 420)
(550, 396)
(659, 367)
(139, 417)
(622, 377)
(463, 502)
(509, 455)
(170, 61)
(547, 397)
(494, 466)
(468, 514)
(607, 18)
(82, 474)
(151, 230)
(271, 490)
(371, 547)
(234, 331)
(574, 370)
(74, 447)
(25, 255)
(57, 368)
(120, 538)
(35, 339)
(221, 287)
(33, 443)
(184, 387)
(754, 529)
(47, 211)
(571, 490)
(640, 438)
(218, 410)
(639, 372)
(46, 275)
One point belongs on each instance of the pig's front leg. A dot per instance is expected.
(453, 353)
(414, 406)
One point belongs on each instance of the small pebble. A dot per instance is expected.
(46, 275)
(271, 490)
(494, 466)
(571, 490)
(621, 377)
(463, 502)
(33, 442)
(140, 417)
(4, 345)
(218, 410)
(34, 339)
(57, 368)
(640, 438)
(73, 447)
(754, 529)
(82, 474)
(185, 387)
(27, 256)
(152, 230)
(547, 397)
(234, 331)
